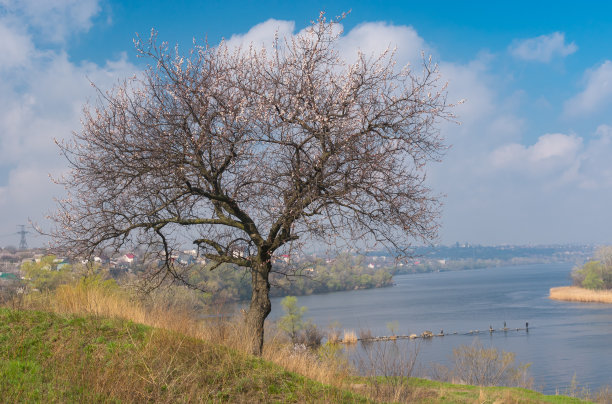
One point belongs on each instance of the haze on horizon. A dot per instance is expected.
(529, 164)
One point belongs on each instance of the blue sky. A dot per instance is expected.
(530, 162)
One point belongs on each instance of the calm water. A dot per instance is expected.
(563, 339)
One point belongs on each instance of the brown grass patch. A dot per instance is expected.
(577, 294)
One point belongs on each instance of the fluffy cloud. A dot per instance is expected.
(542, 48)
(550, 151)
(596, 94)
(41, 96)
(532, 193)
(32, 114)
(53, 20)
(567, 160)
(15, 46)
(263, 34)
(370, 38)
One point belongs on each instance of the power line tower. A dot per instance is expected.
(23, 244)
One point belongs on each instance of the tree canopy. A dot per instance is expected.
(249, 153)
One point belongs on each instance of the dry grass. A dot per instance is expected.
(349, 337)
(577, 294)
(388, 368)
(93, 296)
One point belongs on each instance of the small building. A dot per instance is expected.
(128, 258)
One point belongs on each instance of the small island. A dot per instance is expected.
(592, 281)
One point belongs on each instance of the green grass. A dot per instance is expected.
(52, 358)
(454, 393)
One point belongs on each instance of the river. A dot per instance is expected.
(564, 338)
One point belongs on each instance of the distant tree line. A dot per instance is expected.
(345, 272)
(458, 252)
(596, 273)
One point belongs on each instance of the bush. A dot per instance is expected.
(389, 367)
(595, 274)
(311, 335)
(477, 365)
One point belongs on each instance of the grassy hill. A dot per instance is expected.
(49, 358)
(46, 357)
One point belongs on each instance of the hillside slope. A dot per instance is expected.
(49, 358)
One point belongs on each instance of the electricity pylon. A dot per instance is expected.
(23, 244)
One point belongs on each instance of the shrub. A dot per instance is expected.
(388, 367)
(477, 365)
(311, 335)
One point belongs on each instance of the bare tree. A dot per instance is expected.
(249, 153)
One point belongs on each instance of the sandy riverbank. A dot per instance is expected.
(576, 294)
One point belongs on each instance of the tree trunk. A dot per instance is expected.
(260, 306)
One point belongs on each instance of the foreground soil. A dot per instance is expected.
(45, 357)
(577, 294)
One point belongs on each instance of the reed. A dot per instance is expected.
(349, 337)
(577, 294)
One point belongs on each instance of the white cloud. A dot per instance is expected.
(564, 159)
(542, 48)
(53, 19)
(597, 92)
(470, 82)
(263, 34)
(552, 151)
(372, 38)
(41, 96)
(15, 46)
(594, 171)
(45, 100)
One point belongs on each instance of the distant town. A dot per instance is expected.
(424, 259)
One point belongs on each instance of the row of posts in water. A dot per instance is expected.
(429, 334)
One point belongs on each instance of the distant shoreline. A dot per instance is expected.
(577, 294)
